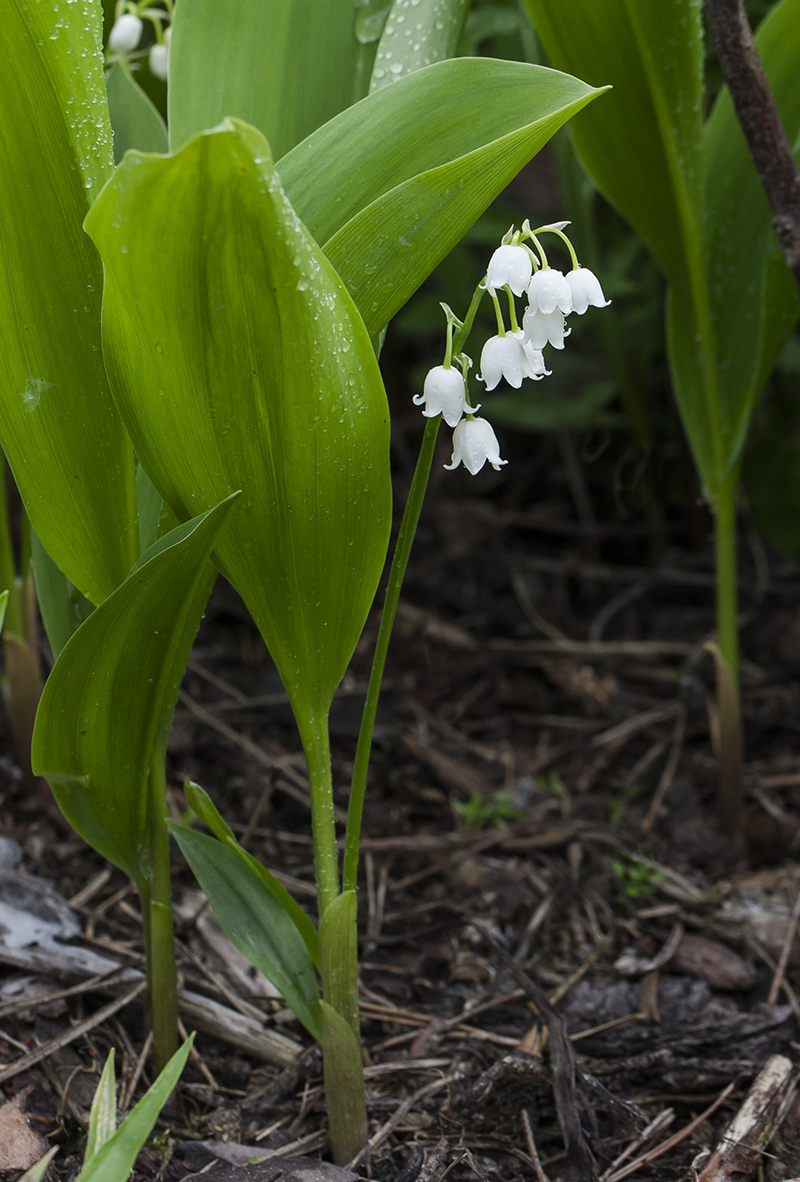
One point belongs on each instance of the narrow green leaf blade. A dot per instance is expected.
(59, 428)
(116, 1159)
(203, 805)
(273, 388)
(416, 34)
(103, 1113)
(38, 1172)
(255, 921)
(107, 706)
(135, 119)
(282, 66)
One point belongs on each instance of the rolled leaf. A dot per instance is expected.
(59, 428)
(107, 707)
(240, 361)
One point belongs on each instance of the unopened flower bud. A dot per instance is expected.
(159, 61)
(126, 33)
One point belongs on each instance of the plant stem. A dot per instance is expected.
(405, 540)
(159, 936)
(316, 742)
(727, 656)
(726, 581)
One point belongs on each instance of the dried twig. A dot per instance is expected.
(756, 111)
(788, 940)
(532, 1150)
(74, 1032)
(672, 1141)
(394, 1120)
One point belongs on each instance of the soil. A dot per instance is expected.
(559, 944)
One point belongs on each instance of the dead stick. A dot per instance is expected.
(672, 1141)
(755, 108)
(788, 940)
(532, 1150)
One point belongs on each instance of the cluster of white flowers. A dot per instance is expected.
(516, 354)
(126, 35)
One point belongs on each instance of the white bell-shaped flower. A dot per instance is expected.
(474, 442)
(125, 34)
(509, 265)
(586, 290)
(535, 359)
(548, 290)
(540, 328)
(504, 357)
(445, 394)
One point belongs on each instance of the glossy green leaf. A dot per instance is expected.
(135, 119)
(389, 194)
(643, 145)
(107, 706)
(264, 380)
(202, 804)
(114, 1162)
(282, 66)
(417, 33)
(59, 428)
(103, 1113)
(255, 922)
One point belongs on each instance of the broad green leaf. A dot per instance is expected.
(62, 606)
(151, 507)
(255, 922)
(754, 301)
(59, 428)
(202, 804)
(264, 380)
(642, 145)
(107, 706)
(285, 67)
(135, 119)
(389, 195)
(103, 1114)
(114, 1162)
(417, 33)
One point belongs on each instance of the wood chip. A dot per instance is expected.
(20, 1145)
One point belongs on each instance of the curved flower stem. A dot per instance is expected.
(405, 540)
